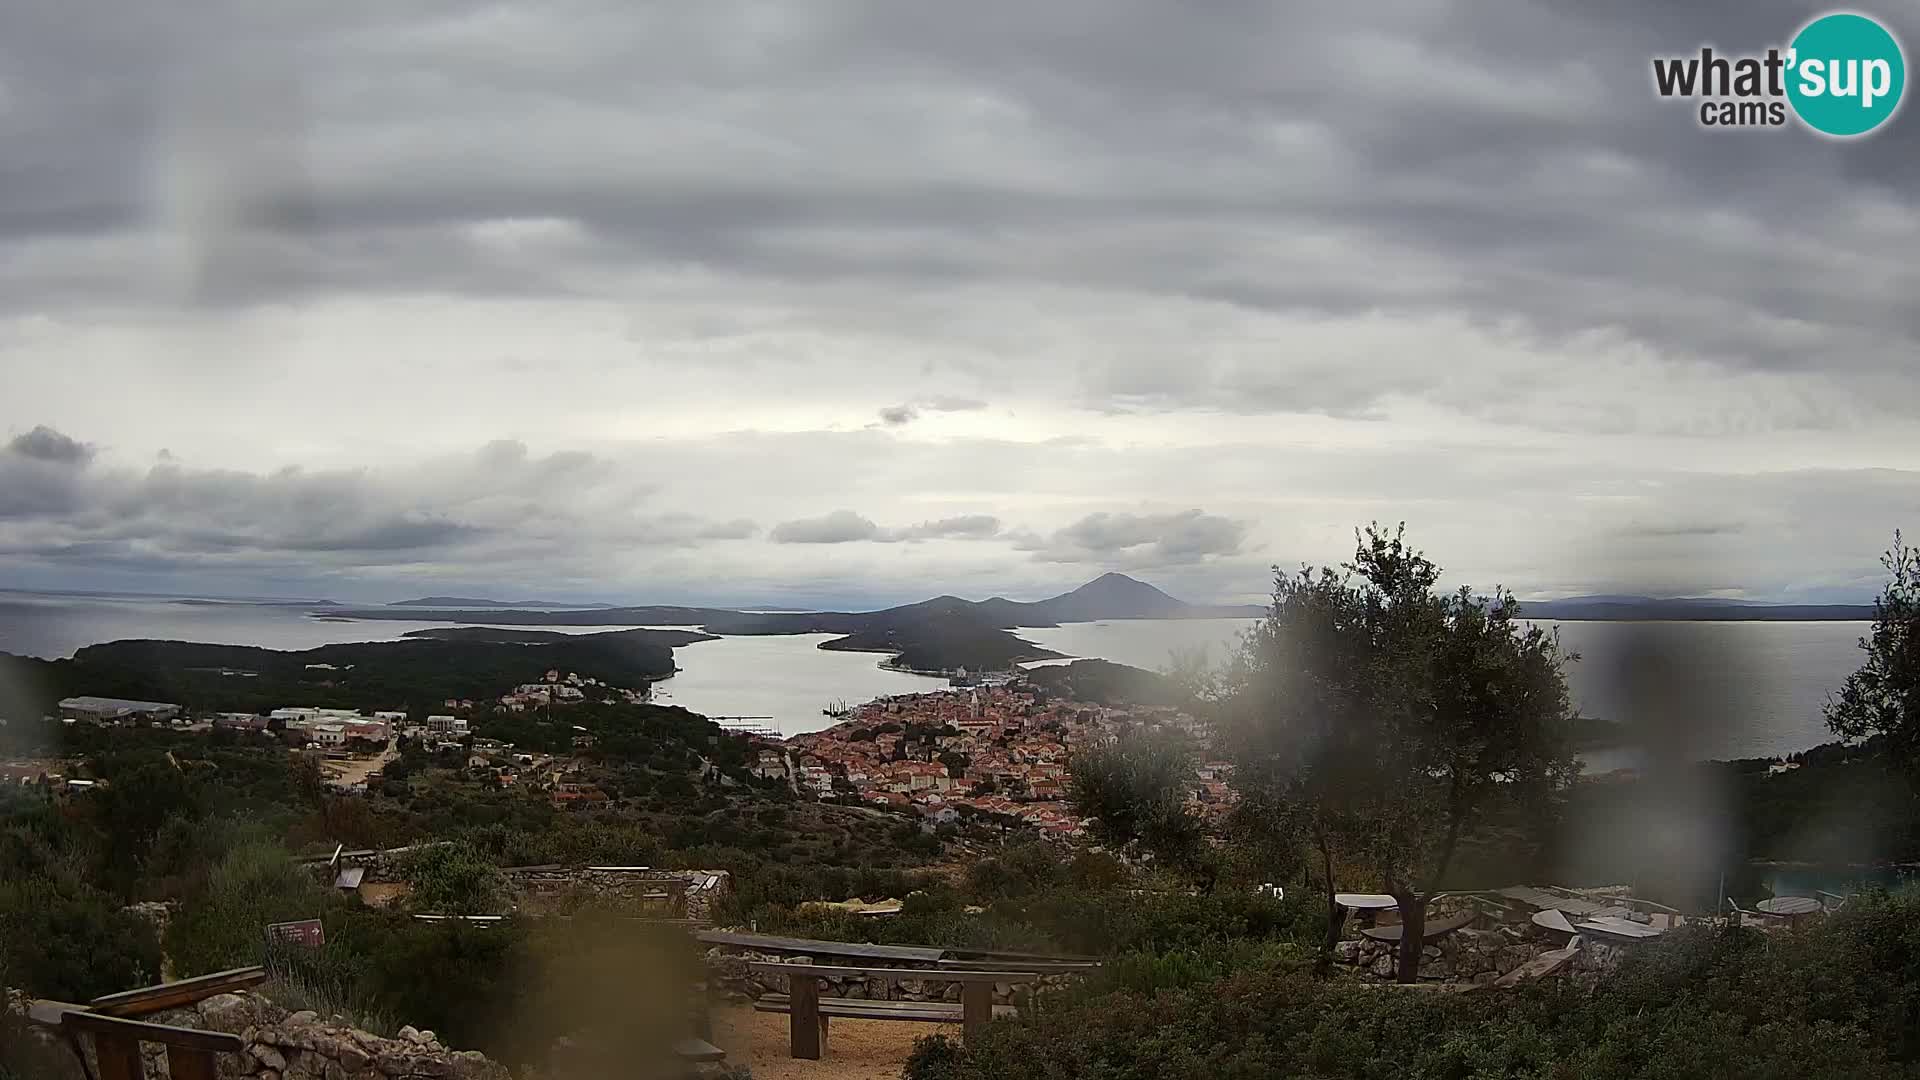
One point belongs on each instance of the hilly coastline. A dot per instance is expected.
(950, 632)
(937, 635)
(1688, 609)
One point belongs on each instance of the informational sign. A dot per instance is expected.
(306, 932)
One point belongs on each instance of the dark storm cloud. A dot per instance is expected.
(1503, 162)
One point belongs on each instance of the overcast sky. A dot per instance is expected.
(855, 303)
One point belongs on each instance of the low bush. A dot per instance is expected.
(1839, 1000)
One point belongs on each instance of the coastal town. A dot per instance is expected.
(994, 750)
(986, 750)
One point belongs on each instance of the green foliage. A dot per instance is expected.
(1107, 683)
(454, 879)
(1833, 1001)
(1135, 788)
(65, 940)
(1883, 697)
(223, 925)
(453, 978)
(1379, 720)
(414, 675)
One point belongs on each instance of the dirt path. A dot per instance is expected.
(856, 1049)
(356, 771)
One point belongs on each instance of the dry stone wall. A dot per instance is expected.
(1480, 957)
(728, 972)
(302, 1046)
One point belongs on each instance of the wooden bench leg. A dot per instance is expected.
(119, 1057)
(806, 1028)
(184, 1064)
(976, 1006)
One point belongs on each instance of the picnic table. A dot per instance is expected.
(1791, 908)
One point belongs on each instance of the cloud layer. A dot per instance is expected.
(977, 298)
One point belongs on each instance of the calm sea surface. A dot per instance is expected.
(1757, 688)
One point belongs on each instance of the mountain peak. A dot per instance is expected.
(1117, 584)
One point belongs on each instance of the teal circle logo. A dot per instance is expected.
(1846, 74)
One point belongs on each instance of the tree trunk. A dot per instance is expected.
(1413, 928)
(1336, 915)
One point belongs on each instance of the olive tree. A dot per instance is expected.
(1135, 790)
(1381, 718)
(1882, 698)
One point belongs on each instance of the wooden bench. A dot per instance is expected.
(191, 1052)
(807, 1028)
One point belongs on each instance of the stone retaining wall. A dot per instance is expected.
(729, 975)
(302, 1046)
(1472, 956)
(538, 883)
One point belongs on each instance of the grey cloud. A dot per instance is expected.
(738, 529)
(1239, 168)
(908, 412)
(1190, 536)
(838, 527)
(500, 503)
(45, 444)
(845, 526)
(964, 527)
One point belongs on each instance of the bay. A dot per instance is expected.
(1756, 688)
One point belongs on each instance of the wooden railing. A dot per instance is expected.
(191, 1052)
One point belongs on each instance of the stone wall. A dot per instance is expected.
(702, 890)
(730, 977)
(1479, 957)
(302, 1046)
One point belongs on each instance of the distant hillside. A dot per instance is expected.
(1107, 683)
(415, 675)
(471, 602)
(940, 634)
(1109, 596)
(671, 639)
(1688, 609)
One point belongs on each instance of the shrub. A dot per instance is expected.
(1832, 1001)
(224, 925)
(64, 940)
(454, 879)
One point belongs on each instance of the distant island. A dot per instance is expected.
(471, 602)
(1687, 609)
(932, 636)
(948, 632)
(416, 674)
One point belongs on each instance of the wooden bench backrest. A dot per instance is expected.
(116, 1046)
(769, 967)
(173, 995)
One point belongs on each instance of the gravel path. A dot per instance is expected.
(856, 1049)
